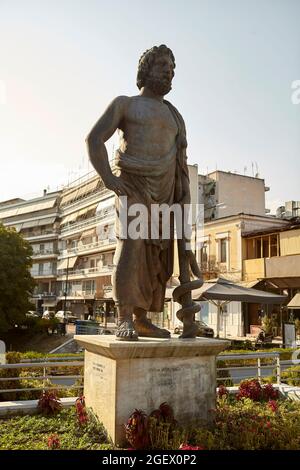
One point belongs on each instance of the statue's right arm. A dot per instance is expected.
(100, 133)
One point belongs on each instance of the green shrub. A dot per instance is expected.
(11, 358)
(248, 425)
(223, 374)
(291, 376)
(32, 432)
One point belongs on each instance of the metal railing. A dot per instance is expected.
(239, 372)
(46, 272)
(85, 223)
(87, 247)
(58, 362)
(44, 377)
(82, 272)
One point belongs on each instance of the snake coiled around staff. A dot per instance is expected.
(187, 312)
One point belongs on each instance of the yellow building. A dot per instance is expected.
(272, 257)
(220, 253)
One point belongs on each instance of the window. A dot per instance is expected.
(203, 253)
(265, 242)
(258, 248)
(273, 245)
(223, 244)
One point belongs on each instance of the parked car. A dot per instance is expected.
(48, 314)
(32, 314)
(61, 314)
(203, 329)
(105, 331)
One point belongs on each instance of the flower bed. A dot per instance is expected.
(59, 431)
(255, 419)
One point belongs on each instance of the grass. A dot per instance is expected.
(32, 432)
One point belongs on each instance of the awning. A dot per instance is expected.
(222, 289)
(67, 263)
(36, 222)
(47, 221)
(88, 233)
(49, 303)
(87, 188)
(284, 282)
(70, 196)
(249, 284)
(295, 302)
(17, 227)
(71, 297)
(70, 218)
(26, 208)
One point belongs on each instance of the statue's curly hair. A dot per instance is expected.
(147, 59)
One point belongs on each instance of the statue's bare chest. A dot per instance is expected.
(150, 114)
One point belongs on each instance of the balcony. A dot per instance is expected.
(43, 274)
(89, 248)
(44, 254)
(40, 235)
(43, 295)
(86, 273)
(253, 269)
(283, 267)
(78, 294)
(90, 222)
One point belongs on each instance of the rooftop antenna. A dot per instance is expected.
(252, 165)
(257, 173)
(245, 170)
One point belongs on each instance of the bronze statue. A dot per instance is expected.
(152, 169)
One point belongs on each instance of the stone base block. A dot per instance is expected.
(120, 376)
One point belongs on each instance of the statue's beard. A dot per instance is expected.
(159, 86)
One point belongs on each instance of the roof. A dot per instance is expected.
(269, 230)
(222, 289)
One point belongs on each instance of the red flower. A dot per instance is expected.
(272, 404)
(81, 410)
(53, 442)
(186, 446)
(270, 393)
(223, 391)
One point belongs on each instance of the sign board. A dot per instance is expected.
(2, 352)
(289, 335)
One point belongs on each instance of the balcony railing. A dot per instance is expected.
(43, 294)
(44, 253)
(85, 223)
(82, 248)
(78, 293)
(83, 272)
(45, 272)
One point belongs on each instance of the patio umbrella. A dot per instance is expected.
(221, 291)
(295, 302)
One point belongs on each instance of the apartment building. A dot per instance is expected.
(37, 220)
(224, 194)
(86, 246)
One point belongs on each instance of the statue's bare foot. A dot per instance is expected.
(144, 327)
(126, 331)
(190, 330)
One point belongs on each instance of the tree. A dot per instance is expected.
(16, 282)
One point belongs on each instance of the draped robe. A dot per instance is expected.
(143, 266)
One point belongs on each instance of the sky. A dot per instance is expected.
(62, 62)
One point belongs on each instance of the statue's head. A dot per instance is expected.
(156, 70)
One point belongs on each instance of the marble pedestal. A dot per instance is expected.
(120, 376)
